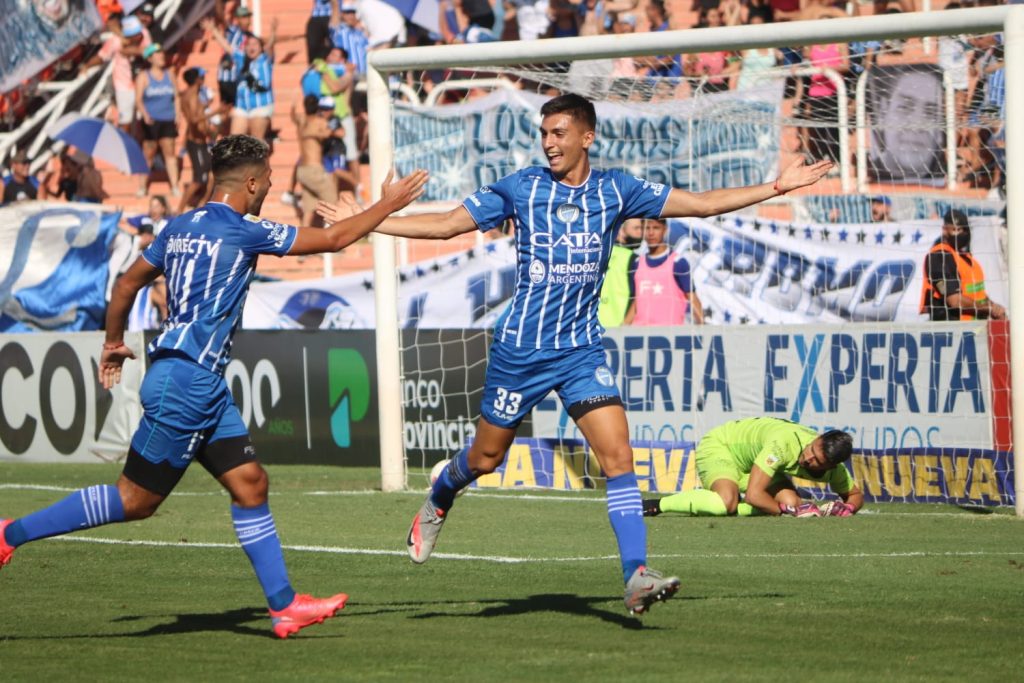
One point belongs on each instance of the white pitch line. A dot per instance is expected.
(500, 559)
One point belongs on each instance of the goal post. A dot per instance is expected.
(384, 64)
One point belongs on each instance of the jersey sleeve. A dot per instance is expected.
(260, 236)
(493, 204)
(641, 198)
(156, 250)
(774, 457)
(681, 272)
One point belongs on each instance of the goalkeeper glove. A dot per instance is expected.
(803, 510)
(837, 508)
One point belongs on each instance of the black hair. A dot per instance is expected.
(836, 446)
(311, 104)
(236, 152)
(576, 106)
(957, 219)
(163, 201)
(191, 76)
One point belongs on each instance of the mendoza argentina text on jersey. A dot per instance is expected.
(208, 257)
(564, 236)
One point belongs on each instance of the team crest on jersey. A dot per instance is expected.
(537, 272)
(567, 213)
(772, 460)
(604, 377)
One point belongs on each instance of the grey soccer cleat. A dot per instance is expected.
(426, 525)
(647, 587)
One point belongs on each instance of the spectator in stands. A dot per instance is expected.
(83, 180)
(227, 70)
(324, 15)
(254, 99)
(624, 69)
(954, 282)
(661, 66)
(20, 185)
(108, 7)
(821, 101)
(384, 25)
(756, 65)
(565, 19)
(615, 291)
(458, 27)
(199, 133)
(530, 17)
(349, 36)
(881, 209)
(955, 55)
(661, 287)
(147, 16)
(317, 184)
(126, 42)
(708, 68)
(157, 101)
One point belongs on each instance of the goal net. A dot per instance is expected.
(811, 301)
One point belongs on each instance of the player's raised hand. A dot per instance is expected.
(798, 175)
(332, 213)
(111, 360)
(400, 193)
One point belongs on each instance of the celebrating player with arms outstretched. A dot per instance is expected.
(566, 219)
(209, 258)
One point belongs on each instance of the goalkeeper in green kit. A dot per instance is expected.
(756, 457)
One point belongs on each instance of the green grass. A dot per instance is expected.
(908, 593)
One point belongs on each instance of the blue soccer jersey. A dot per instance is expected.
(564, 236)
(256, 83)
(208, 257)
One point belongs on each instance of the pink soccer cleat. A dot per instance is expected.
(304, 611)
(6, 551)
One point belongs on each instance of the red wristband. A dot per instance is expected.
(777, 189)
(110, 346)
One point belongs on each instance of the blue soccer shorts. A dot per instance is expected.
(518, 379)
(188, 414)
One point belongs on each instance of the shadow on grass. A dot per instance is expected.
(232, 621)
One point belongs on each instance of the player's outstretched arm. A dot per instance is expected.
(682, 204)
(757, 492)
(115, 353)
(346, 230)
(854, 498)
(427, 226)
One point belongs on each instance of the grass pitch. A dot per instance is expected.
(524, 588)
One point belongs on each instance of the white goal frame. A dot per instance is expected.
(1009, 19)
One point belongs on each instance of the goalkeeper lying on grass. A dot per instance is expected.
(756, 457)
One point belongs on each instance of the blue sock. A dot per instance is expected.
(83, 509)
(625, 512)
(258, 535)
(453, 479)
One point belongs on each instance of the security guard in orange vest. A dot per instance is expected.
(954, 283)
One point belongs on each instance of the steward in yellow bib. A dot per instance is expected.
(954, 282)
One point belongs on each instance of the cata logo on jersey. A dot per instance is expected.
(348, 386)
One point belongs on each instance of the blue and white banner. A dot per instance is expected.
(38, 32)
(921, 385)
(718, 141)
(55, 260)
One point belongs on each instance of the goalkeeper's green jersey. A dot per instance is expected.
(772, 444)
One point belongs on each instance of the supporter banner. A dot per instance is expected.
(777, 272)
(965, 477)
(463, 290)
(308, 398)
(925, 385)
(45, 30)
(715, 141)
(52, 406)
(56, 257)
(442, 384)
(908, 124)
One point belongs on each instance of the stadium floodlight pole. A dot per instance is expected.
(385, 291)
(796, 33)
(1014, 56)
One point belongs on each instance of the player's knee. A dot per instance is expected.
(138, 503)
(730, 505)
(251, 487)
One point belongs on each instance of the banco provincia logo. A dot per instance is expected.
(567, 213)
(348, 387)
(537, 271)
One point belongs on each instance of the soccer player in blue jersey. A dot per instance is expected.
(208, 257)
(549, 339)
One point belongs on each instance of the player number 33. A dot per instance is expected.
(507, 401)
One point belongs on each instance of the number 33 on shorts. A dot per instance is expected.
(507, 401)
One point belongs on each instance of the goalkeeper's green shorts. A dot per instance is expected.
(714, 462)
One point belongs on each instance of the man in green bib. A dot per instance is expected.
(757, 457)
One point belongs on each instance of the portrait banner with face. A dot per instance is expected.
(908, 123)
(46, 29)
